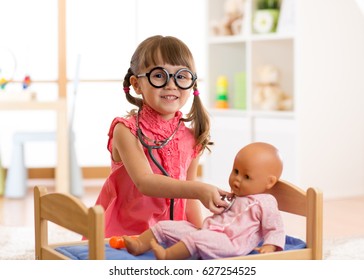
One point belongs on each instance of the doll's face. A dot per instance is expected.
(256, 169)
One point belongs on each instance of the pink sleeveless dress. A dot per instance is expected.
(128, 211)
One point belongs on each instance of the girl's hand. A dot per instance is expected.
(211, 199)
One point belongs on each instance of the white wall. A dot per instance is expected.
(331, 96)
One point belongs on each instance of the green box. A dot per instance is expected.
(240, 90)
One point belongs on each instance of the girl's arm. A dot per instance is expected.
(127, 148)
(193, 209)
(193, 212)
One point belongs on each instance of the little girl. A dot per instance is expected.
(253, 216)
(137, 194)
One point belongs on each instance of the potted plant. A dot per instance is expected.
(266, 16)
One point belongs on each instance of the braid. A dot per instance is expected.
(200, 122)
(126, 83)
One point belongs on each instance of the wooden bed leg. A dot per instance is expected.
(40, 225)
(96, 233)
(314, 223)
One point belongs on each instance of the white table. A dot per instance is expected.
(60, 107)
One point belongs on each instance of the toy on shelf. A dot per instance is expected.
(26, 82)
(267, 93)
(25, 95)
(232, 20)
(3, 83)
(222, 93)
(240, 90)
(7, 66)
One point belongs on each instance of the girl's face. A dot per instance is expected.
(166, 100)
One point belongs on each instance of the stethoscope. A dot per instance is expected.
(230, 200)
(157, 144)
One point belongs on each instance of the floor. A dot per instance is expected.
(342, 217)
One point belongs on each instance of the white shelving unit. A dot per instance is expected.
(233, 128)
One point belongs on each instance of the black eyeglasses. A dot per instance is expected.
(159, 77)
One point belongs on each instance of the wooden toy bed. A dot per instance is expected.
(69, 212)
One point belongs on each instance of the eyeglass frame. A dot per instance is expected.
(169, 76)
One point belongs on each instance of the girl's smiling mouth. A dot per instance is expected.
(169, 97)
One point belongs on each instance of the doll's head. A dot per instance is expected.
(257, 167)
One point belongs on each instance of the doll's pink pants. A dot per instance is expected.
(201, 243)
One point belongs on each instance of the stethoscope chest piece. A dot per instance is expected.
(228, 199)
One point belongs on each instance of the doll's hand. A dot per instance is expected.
(267, 248)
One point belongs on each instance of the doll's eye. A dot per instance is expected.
(246, 176)
(236, 172)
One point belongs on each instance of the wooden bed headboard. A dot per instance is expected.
(294, 200)
(69, 212)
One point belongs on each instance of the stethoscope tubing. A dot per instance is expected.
(160, 167)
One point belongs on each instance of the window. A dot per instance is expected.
(105, 33)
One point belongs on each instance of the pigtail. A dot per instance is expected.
(126, 83)
(200, 121)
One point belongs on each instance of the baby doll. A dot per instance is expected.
(253, 216)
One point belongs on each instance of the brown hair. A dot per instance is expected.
(170, 50)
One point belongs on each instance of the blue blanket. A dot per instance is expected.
(81, 252)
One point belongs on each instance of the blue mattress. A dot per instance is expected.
(81, 252)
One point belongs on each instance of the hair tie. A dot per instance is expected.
(126, 89)
(196, 92)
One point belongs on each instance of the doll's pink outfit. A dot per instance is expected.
(129, 212)
(238, 231)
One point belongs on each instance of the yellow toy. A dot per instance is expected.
(222, 93)
(268, 94)
(3, 83)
